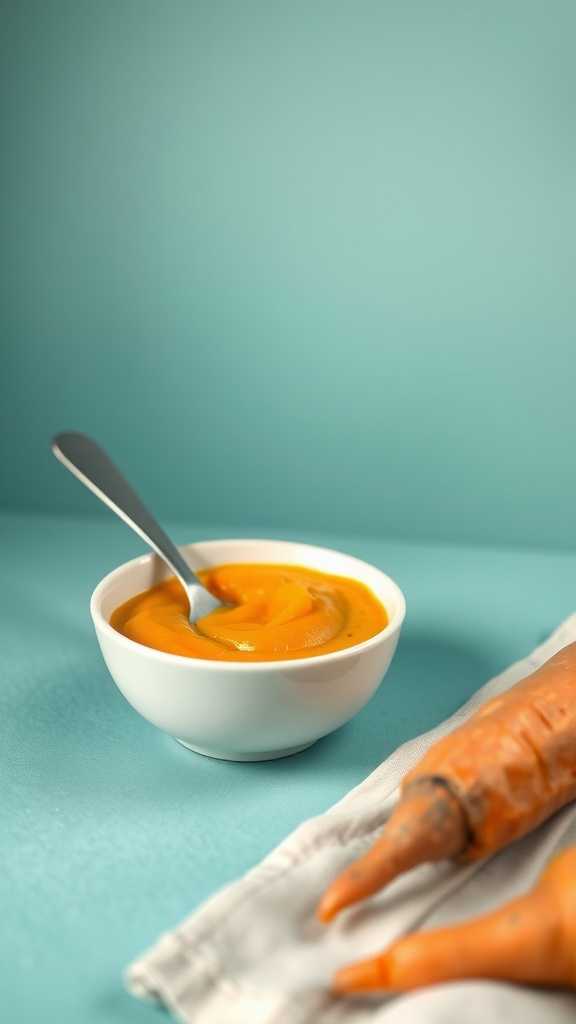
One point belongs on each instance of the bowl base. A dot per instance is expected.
(269, 755)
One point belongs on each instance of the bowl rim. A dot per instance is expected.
(102, 625)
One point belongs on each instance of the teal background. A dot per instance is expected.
(303, 265)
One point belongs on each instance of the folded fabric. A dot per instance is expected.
(255, 953)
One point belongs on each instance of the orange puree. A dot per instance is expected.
(277, 611)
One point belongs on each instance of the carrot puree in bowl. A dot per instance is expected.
(276, 612)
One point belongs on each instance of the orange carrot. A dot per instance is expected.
(530, 940)
(498, 776)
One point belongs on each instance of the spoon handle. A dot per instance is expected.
(90, 463)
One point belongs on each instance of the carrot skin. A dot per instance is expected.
(507, 769)
(513, 763)
(428, 824)
(530, 940)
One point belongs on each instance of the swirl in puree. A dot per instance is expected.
(274, 612)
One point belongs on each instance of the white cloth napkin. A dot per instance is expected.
(255, 954)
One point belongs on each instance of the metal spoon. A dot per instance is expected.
(90, 463)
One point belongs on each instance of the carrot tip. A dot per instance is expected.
(364, 976)
(327, 909)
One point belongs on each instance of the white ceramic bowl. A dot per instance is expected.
(248, 711)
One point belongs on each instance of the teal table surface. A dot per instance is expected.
(112, 832)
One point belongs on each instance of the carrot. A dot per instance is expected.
(530, 940)
(492, 780)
